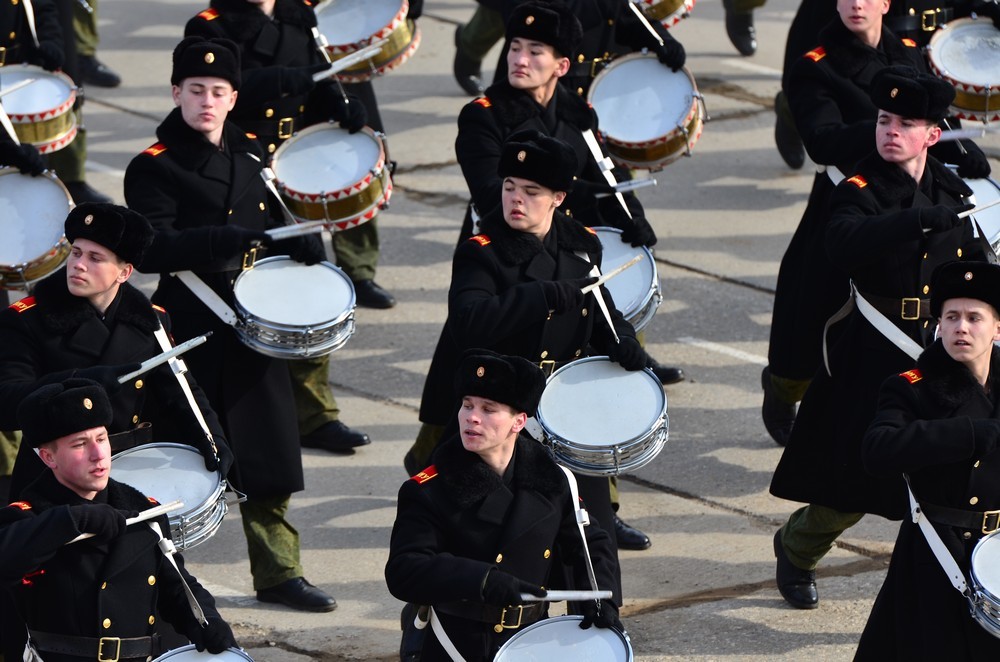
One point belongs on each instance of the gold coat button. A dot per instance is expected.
(544, 353)
(611, 21)
(104, 585)
(230, 212)
(271, 148)
(580, 58)
(152, 619)
(138, 384)
(966, 535)
(269, 112)
(927, 288)
(926, 324)
(925, 256)
(302, 109)
(135, 419)
(546, 554)
(499, 558)
(974, 500)
(151, 580)
(14, 2)
(584, 312)
(959, 252)
(13, 35)
(579, 91)
(578, 352)
(976, 465)
(262, 206)
(106, 623)
(498, 628)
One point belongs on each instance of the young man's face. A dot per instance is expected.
(532, 64)
(968, 328)
(900, 139)
(80, 461)
(487, 426)
(528, 206)
(92, 270)
(204, 102)
(860, 16)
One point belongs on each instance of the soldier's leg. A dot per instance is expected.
(356, 251)
(9, 443)
(810, 532)
(739, 24)
(69, 164)
(472, 42)
(665, 373)
(85, 27)
(272, 541)
(316, 408)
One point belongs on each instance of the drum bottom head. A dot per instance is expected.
(561, 638)
(190, 654)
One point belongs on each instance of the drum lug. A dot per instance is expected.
(704, 108)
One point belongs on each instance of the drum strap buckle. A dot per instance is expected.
(286, 126)
(108, 641)
(249, 258)
(910, 308)
(3, 55)
(503, 624)
(597, 62)
(987, 516)
(928, 19)
(548, 367)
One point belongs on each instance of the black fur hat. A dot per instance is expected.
(544, 160)
(967, 280)
(906, 92)
(216, 58)
(66, 407)
(510, 380)
(125, 232)
(551, 23)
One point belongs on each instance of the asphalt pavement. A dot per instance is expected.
(705, 590)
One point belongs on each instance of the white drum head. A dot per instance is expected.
(326, 160)
(190, 654)
(283, 291)
(969, 52)
(594, 402)
(46, 93)
(638, 99)
(985, 191)
(561, 638)
(986, 564)
(167, 472)
(630, 288)
(351, 21)
(32, 212)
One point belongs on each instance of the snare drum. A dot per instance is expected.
(601, 419)
(326, 173)
(289, 310)
(650, 116)
(190, 653)
(350, 25)
(33, 210)
(168, 472)
(636, 291)
(985, 191)
(966, 53)
(985, 575)
(42, 111)
(560, 638)
(667, 12)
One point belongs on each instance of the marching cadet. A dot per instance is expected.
(828, 92)
(893, 220)
(938, 424)
(94, 599)
(201, 188)
(278, 58)
(487, 520)
(87, 320)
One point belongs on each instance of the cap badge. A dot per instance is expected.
(209, 58)
(87, 404)
(522, 155)
(894, 92)
(529, 20)
(88, 219)
(480, 371)
(968, 275)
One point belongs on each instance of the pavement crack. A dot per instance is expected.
(125, 109)
(720, 277)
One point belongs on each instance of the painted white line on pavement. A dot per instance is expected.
(722, 349)
(752, 68)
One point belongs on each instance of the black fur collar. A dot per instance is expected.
(849, 55)
(516, 247)
(247, 19)
(468, 480)
(949, 381)
(190, 148)
(515, 107)
(62, 312)
(890, 184)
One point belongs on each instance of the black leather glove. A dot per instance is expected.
(628, 353)
(24, 157)
(638, 232)
(602, 613)
(349, 113)
(592, 189)
(416, 9)
(565, 295)
(231, 240)
(309, 250)
(51, 55)
(941, 218)
(100, 519)
(986, 431)
(973, 164)
(989, 9)
(107, 375)
(671, 53)
(502, 589)
(216, 636)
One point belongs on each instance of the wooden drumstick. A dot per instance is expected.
(571, 596)
(16, 86)
(160, 359)
(298, 229)
(979, 208)
(152, 513)
(611, 274)
(350, 60)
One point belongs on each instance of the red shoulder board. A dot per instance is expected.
(816, 54)
(426, 475)
(912, 376)
(909, 42)
(23, 505)
(23, 304)
(209, 15)
(159, 309)
(307, 3)
(590, 230)
(858, 181)
(484, 102)
(481, 239)
(252, 136)
(152, 501)
(155, 150)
